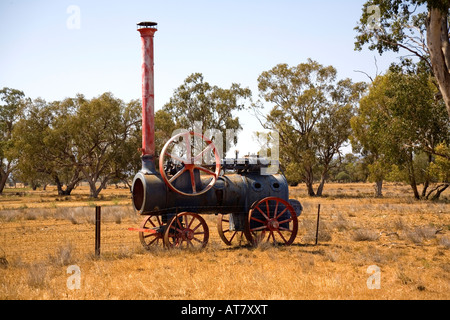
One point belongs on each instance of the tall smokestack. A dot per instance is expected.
(147, 30)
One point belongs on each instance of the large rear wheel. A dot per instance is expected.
(271, 220)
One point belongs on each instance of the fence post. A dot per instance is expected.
(97, 229)
(317, 228)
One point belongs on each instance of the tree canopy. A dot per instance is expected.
(397, 121)
(11, 108)
(420, 27)
(78, 138)
(214, 108)
(311, 112)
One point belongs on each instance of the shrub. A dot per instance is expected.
(365, 235)
(37, 275)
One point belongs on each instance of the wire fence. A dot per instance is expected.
(39, 234)
(31, 235)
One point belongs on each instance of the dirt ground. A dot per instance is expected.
(368, 248)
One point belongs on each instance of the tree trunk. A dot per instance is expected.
(323, 178)
(4, 174)
(70, 186)
(309, 179)
(128, 184)
(3, 179)
(378, 189)
(439, 48)
(439, 189)
(94, 191)
(412, 178)
(426, 184)
(414, 187)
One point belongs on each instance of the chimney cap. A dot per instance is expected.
(147, 24)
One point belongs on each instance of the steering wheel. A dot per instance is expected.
(179, 152)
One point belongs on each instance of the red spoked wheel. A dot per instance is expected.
(188, 230)
(273, 220)
(226, 234)
(180, 152)
(151, 233)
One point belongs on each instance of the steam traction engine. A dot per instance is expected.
(194, 180)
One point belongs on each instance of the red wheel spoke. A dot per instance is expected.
(186, 221)
(271, 234)
(156, 239)
(200, 223)
(187, 141)
(179, 230)
(232, 237)
(151, 222)
(194, 189)
(206, 170)
(198, 240)
(159, 221)
(281, 235)
(256, 219)
(268, 210)
(190, 223)
(200, 155)
(285, 221)
(276, 210)
(259, 228)
(150, 235)
(264, 215)
(177, 175)
(281, 213)
(178, 222)
(181, 160)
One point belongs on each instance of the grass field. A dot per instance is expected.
(42, 236)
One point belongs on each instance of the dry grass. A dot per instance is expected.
(408, 240)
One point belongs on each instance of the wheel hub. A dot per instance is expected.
(187, 234)
(273, 224)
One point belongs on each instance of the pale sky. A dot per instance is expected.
(56, 49)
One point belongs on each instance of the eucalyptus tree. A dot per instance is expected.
(419, 27)
(11, 109)
(311, 111)
(95, 140)
(100, 131)
(397, 121)
(214, 108)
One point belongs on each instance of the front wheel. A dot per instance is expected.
(151, 234)
(188, 230)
